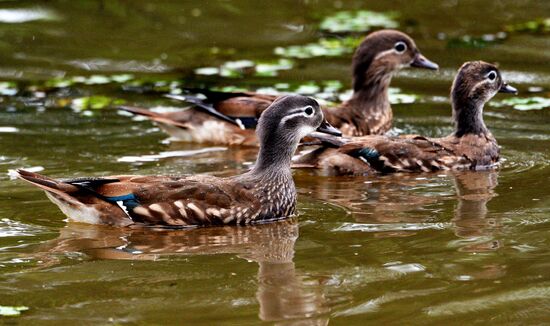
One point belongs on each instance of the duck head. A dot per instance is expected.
(475, 83)
(383, 53)
(283, 124)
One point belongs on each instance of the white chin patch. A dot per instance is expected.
(305, 130)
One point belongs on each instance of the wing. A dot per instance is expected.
(188, 201)
(240, 108)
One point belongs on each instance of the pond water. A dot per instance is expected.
(453, 248)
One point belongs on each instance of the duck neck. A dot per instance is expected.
(468, 117)
(370, 95)
(275, 158)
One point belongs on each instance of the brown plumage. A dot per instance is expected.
(228, 118)
(265, 193)
(470, 146)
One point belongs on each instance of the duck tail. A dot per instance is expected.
(49, 185)
(157, 117)
(138, 111)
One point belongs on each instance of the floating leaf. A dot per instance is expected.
(397, 97)
(59, 83)
(12, 311)
(360, 21)
(97, 80)
(233, 69)
(525, 103)
(476, 42)
(97, 102)
(308, 89)
(541, 25)
(271, 69)
(8, 88)
(123, 78)
(325, 47)
(207, 71)
(230, 88)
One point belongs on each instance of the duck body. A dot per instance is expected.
(171, 200)
(265, 193)
(229, 118)
(471, 146)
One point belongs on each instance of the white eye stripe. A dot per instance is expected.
(297, 113)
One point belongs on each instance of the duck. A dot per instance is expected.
(264, 193)
(471, 146)
(229, 118)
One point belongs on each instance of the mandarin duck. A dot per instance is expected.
(264, 193)
(470, 146)
(230, 117)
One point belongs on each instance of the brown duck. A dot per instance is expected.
(229, 118)
(265, 193)
(470, 146)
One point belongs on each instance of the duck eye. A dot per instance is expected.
(492, 76)
(309, 111)
(400, 47)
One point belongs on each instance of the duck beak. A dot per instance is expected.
(326, 128)
(421, 61)
(505, 88)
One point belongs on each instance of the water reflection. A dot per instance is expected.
(474, 190)
(402, 205)
(283, 293)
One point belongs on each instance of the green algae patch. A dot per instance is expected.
(242, 68)
(476, 42)
(96, 102)
(525, 103)
(324, 47)
(358, 21)
(537, 26)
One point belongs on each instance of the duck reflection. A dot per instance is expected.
(283, 294)
(474, 190)
(397, 204)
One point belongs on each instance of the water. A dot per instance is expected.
(453, 248)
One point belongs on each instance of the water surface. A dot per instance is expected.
(453, 248)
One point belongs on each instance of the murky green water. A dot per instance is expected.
(410, 249)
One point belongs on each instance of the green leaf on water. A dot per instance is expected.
(541, 25)
(240, 68)
(309, 88)
(271, 69)
(397, 97)
(207, 71)
(524, 103)
(96, 102)
(11, 311)
(359, 21)
(8, 88)
(476, 42)
(325, 47)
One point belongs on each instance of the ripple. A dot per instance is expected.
(15, 16)
(162, 155)
(10, 228)
(380, 227)
(488, 301)
(8, 129)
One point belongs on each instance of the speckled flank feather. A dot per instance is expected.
(422, 154)
(368, 112)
